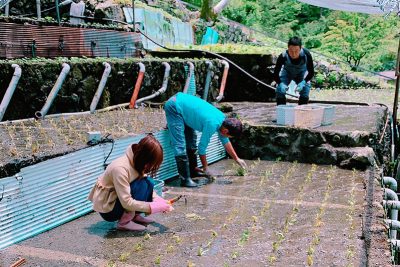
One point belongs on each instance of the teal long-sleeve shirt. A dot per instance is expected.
(201, 116)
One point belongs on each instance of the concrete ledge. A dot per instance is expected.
(350, 142)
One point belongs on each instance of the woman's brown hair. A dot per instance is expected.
(147, 155)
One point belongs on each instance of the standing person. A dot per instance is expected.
(185, 114)
(123, 191)
(293, 64)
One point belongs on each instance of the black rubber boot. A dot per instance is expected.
(192, 156)
(303, 100)
(280, 101)
(183, 169)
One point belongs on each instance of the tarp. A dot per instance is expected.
(210, 37)
(381, 7)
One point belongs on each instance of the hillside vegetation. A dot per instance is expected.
(359, 39)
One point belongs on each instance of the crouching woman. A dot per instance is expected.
(123, 191)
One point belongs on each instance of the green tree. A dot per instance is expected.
(353, 37)
(207, 11)
(246, 12)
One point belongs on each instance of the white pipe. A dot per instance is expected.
(394, 226)
(395, 244)
(66, 2)
(391, 204)
(102, 84)
(220, 6)
(391, 182)
(391, 195)
(190, 73)
(7, 10)
(208, 79)
(57, 115)
(163, 87)
(18, 121)
(119, 106)
(53, 93)
(38, 9)
(159, 91)
(223, 82)
(10, 90)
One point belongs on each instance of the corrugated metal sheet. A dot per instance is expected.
(53, 192)
(17, 40)
(159, 29)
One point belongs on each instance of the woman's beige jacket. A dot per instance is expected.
(115, 183)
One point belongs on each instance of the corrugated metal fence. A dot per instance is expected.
(18, 40)
(54, 192)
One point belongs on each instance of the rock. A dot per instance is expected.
(324, 154)
(281, 139)
(109, 10)
(361, 159)
(225, 107)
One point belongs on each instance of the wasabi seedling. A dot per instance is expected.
(214, 234)
(158, 260)
(177, 238)
(234, 255)
(147, 236)
(200, 251)
(271, 259)
(310, 260)
(241, 171)
(170, 249)
(124, 256)
(138, 247)
(111, 264)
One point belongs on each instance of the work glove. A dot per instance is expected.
(283, 86)
(160, 205)
(242, 163)
(300, 86)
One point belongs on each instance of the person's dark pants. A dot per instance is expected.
(141, 189)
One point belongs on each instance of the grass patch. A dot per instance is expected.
(370, 96)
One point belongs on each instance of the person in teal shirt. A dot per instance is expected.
(187, 113)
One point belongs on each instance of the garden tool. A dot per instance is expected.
(173, 200)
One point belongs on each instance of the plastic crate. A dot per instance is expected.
(329, 113)
(285, 114)
(308, 116)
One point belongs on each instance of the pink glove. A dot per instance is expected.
(160, 205)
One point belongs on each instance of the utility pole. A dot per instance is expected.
(133, 15)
